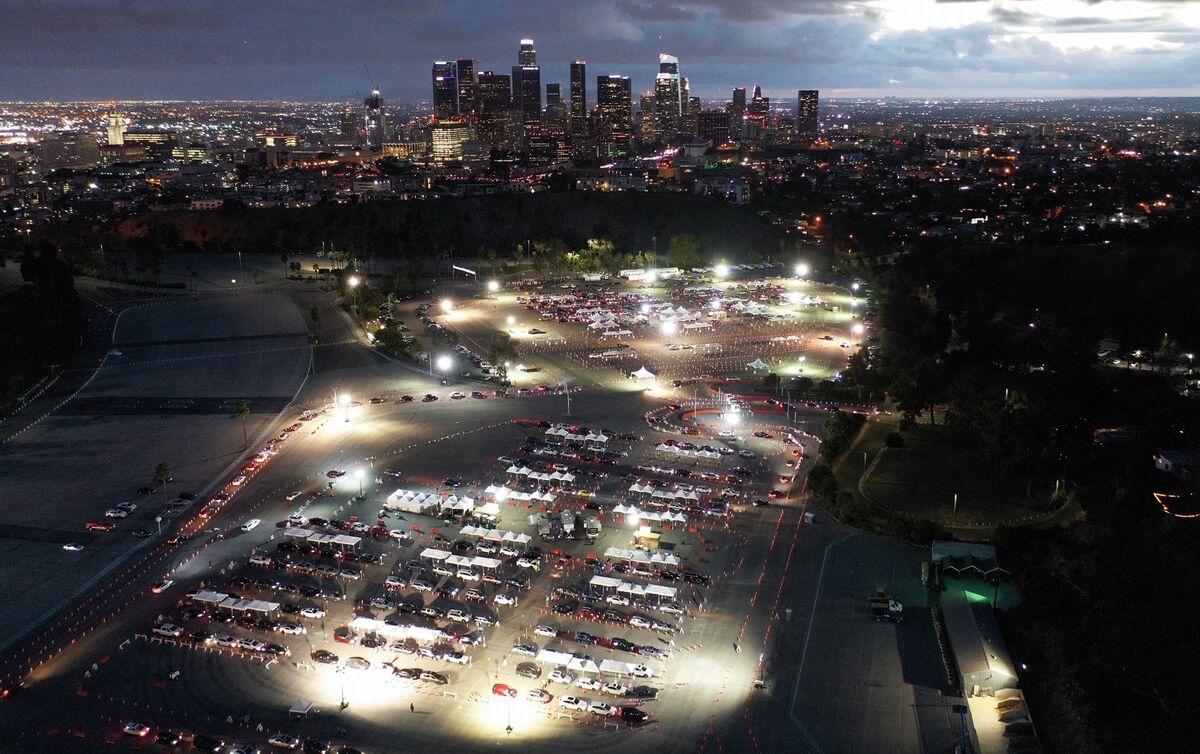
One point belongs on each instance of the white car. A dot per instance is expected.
(603, 709)
(251, 525)
(549, 631)
(136, 729)
(527, 563)
(529, 650)
(458, 658)
(168, 629)
(591, 684)
(297, 519)
(395, 582)
(559, 675)
(284, 741)
(638, 621)
(72, 547)
(510, 551)
(726, 434)
(641, 671)
(261, 560)
(539, 696)
(615, 689)
(442, 570)
(459, 616)
(126, 506)
(573, 702)
(116, 513)
(292, 629)
(504, 598)
(468, 574)
(292, 495)
(313, 612)
(618, 599)
(239, 480)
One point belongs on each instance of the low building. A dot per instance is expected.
(1182, 463)
(984, 666)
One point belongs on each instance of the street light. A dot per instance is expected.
(644, 309)
(668, 328)
(858, 328)
(802, 270)
(493, 285)
(511, 320)
(447, 305)
(854, 286)
(346, 402)
(721, 270)
(353, 283)
(359, 473)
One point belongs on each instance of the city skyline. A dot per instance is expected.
(970, 48)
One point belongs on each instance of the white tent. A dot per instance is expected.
(434, 554)
(643, 374)
(420, 633)
(555, 658)
(758, 364)
(617, 667)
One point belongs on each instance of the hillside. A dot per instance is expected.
(469, 227)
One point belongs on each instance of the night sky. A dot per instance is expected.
(302, 49)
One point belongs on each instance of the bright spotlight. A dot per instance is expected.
(645, 308)
(634, 519)
(511, 320)
(793, 297)
(721, 270)
(733, 419)
(802, 270)
(353, 281)
(668, 328)
(651, 276)
(345, 399)
(493, 285)
(716, 305)
(858, 328)
(854, 286)
(447, 305)
(444, 363)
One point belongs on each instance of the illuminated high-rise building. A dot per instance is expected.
(494, 97)
(647, 124)
(373, 120)
(806, 111)
(579, 108)
(714, 126)
(445, 90)
(691, 117)
(465, 77)
(737, 111)
(349, 127)
(116, 129)
(527, 55)
(556, 109)
(614, 109)
(667, 97)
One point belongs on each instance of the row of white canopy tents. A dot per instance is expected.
(654, 493)
(632, 589)
(394, 631)
(338, 541)
(496, 535)
(504, 493)
(699, 453)
(630, 511)
(566, 434)
(584, 664)
(449, 558)
(234, 604)
(411, 501)
(562, 477)
(642, 557)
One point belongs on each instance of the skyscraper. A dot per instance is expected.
(116, 129)
(527, 55)
(348, 125)
(737, 111)
(578, 97)
(494, 96)
(806, 111)
(556, 109)
(647, 124)
(614, 105)
(667, 98)
(445, 90)
(465, 75)
(373, 119)
(714, 125)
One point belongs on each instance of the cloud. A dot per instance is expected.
(97, 49)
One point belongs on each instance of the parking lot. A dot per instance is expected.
(454, 566)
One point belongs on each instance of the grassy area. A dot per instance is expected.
(936, 463)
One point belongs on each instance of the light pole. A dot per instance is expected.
(359, 473)
(240, 264)
(346, 403)
(444, 363)
(353, 282)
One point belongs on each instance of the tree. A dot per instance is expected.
(162, 473)
(684, 251)
(771, 381)
(242, 411)
(822, 483)
(503, 349)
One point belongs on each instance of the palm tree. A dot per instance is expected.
(242, 411)
(162, 473)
